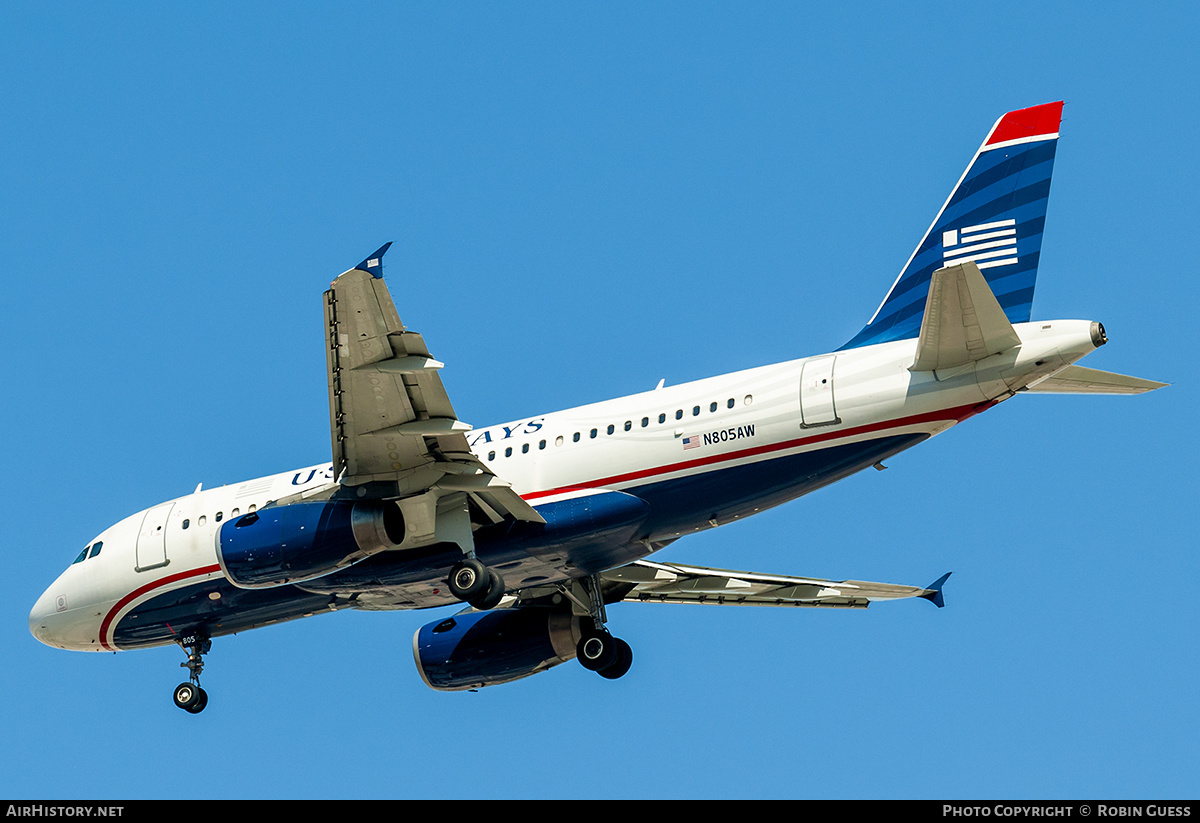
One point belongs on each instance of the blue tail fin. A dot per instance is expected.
(994, 216)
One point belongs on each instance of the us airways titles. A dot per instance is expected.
(494, 435)
(324, 473)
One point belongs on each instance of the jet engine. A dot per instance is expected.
(475, 649)
(300, 541)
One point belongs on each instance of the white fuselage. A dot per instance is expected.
(744, 419)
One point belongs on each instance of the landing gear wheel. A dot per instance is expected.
(187, 696)
(201, 701)
(494, 594)
(624, 659)
(469, 579)
(597, 651)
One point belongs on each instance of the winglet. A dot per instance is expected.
(934, 595)
(373, 264)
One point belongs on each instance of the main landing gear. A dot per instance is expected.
(476, 584)
(189, 696)
(598, 651)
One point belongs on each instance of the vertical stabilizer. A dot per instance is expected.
(994, 217)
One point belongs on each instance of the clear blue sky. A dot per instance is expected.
(585, 198)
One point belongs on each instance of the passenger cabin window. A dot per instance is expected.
(729, 403)
(218, 517)
(202, 520)
(186, 523)
(662, 418)
(713, 406)
(611, 428)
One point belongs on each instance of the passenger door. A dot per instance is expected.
(816, 393)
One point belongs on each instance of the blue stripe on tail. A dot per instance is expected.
(995, 217)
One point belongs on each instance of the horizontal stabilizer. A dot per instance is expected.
(1078, 380)
(963, 321)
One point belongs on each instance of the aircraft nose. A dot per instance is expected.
(45, 616)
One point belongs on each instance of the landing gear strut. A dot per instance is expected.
(475, 583)
(598, 651)
(188, 695)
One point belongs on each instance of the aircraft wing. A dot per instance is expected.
(647, 581)
(391, 421)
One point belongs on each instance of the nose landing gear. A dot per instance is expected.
(188, 695)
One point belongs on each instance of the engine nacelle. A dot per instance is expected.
(300, 541)
(475, 649)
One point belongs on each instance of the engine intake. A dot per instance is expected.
(278, 545)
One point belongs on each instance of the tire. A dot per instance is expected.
(624, 659)
(201, 701)
(187, 695)
(596, 651)
(494, 594)
(469, 579)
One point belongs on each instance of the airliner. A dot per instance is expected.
(536, 526)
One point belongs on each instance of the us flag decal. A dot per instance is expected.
(988, 244)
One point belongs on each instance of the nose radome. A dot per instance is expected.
(41, 617)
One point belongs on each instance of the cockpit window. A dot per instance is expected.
(88, 551)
